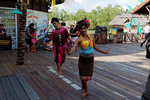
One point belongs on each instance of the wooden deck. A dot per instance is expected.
(120, 75)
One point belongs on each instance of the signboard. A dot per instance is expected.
(40, 19)
(114, 31)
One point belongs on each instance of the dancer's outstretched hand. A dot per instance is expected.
(107, 52)
(44, 43)
(67, 50)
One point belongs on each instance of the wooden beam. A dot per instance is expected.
(140, 6)
(28, 2)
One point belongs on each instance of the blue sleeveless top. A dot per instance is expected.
(88, 50)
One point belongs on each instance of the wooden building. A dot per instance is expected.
(11, 21)
(123, 19)
(33, 11)
(40, 5)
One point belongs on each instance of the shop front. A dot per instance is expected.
(10, 24)
(39, 18)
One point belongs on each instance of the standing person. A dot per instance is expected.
(146, 92)
(146, 29)
(63, 24)
(33, 40)
(146, 32)
(2, 30)
(59, 39)
(73, 33)
(28, 36)
(86, 58)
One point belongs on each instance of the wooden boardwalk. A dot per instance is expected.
(120, 75)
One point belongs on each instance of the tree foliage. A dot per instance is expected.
(99, 16)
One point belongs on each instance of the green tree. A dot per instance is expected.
(99, 16)
(80, 14)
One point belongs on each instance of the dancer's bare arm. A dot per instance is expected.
(50, 43)
(74, 46)
(99, 50)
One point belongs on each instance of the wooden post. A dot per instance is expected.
(100, 39)
(115, 39)
(142, 35)
(125, 38)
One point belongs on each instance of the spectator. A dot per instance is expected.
(28, 36)
(146, 30)
(73, 33)
(46, 41)
(70, 41)
(33, 40)
(63, 24)
(2, 30)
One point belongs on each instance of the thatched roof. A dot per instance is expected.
(141, 9)
(124, 18)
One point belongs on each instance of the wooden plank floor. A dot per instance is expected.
(120, 75)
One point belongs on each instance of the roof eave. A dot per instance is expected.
(139, 6)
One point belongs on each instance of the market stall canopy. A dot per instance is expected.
(141, 9)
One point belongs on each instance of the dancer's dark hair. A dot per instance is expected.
(54, 19)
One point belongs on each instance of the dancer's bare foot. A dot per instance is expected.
(28, 50)
(59, 73)
(83, 89)
(85, 94)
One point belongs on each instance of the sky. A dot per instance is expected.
(88, 5)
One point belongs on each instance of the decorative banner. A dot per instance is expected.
(140, 1)
(40, 20)
(132, 22)
(127, 25)
(147, 20)
(129, 8)
(139, 29)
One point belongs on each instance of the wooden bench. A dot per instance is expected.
(5, 42)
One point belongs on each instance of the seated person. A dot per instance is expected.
(46, 41)
(2, 30)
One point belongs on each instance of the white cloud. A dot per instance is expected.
(88, 5)
(81, 1)
(132, 3)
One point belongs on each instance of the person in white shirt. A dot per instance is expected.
(146, 28)
(146, 32)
